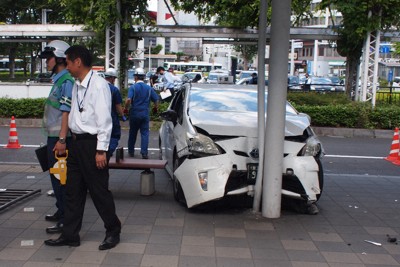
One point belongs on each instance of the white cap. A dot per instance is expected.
(55, 48)
(111, 72)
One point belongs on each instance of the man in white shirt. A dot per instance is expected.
(168, 80)
(87, 163)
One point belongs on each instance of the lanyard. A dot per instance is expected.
(80, 103)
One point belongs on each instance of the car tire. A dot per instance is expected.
(320, 178)
(160, 155)
(176, 186)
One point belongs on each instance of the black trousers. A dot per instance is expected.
(83, 175)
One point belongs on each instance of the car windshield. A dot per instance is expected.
(335, 80)
(317, 80)
(227, 101)
(293, 80)
(191, 75)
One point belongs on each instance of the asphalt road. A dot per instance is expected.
(344, 156)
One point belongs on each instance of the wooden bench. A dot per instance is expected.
(146, 177)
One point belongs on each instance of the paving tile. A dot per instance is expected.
(309, 264)
(133, 229)
(159, 261)
(378, 259)
(12, 263)
(269, 254)
(165, 239)
(229, 252)
(16, 254)
(380, 231)
(258, 225)
(305, 255)
(167, 230)
(202, 251)
(86, 257)
(195, 261)
(230, 232)
(118, 259)
(231, 242)
(169, 222)
(198, 241)
(264, 243)
(298, 245)
(331, 237)
(41, 264)
(333, 246)
(162, 249)
(271, 263)
(340, 257)
(230, 262)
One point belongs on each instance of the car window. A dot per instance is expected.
(236, 101)
(178, 103)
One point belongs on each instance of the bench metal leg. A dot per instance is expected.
(147, 187)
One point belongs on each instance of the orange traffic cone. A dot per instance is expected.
(13, 137)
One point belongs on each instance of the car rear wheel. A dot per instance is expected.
(177, 188)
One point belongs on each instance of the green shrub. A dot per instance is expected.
(22, 108)
(325, 110)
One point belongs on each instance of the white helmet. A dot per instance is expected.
(139, 72)
(54, 48)
(111, 72)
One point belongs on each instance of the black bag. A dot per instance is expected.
(41, 154)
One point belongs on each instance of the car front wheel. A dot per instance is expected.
(177, 188)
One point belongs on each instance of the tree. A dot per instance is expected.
(24, 12)
(239, 13)
(98, 15)
(356, 23)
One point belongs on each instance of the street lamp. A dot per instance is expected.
(151, 43)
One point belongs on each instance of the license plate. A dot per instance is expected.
(252, 172)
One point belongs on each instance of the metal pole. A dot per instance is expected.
(292, 58)
(315, 57)
(117, 56)
(150, 44)
(276, 109)
(262, 32)
(43, 61)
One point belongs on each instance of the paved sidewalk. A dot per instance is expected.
(159, 232)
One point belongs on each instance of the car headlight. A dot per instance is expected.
(312, 148)
(202, 146)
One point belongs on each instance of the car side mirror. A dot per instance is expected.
(169, 115)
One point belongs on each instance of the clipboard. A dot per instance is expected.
(165, 94)
(41, 154)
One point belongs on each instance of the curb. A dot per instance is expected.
(320, 131)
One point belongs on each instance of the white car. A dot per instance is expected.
(209, 139)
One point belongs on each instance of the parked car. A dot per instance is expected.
(294, 83)
(209, 139)
(43, 78)
(337, 83)
(321, 84)
(194, 76)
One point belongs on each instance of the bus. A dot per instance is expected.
(192, 66)
(5, 64)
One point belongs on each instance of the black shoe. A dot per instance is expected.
(145, 157)
(109, 242)
(61, 241)
(52, 218)
(55, 229)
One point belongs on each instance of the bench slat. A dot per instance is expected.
(137, 164)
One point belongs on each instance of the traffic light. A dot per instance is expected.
(207, 50)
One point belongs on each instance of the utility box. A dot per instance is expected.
(147, 187)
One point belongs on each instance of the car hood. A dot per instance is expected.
(242, 124)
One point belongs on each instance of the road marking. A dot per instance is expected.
(355, 157)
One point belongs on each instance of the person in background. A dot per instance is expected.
(307, 83)
(254, 78)
(139, 97)
(168, 80)
(90, 124)
(55, 121)
(116, 109)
